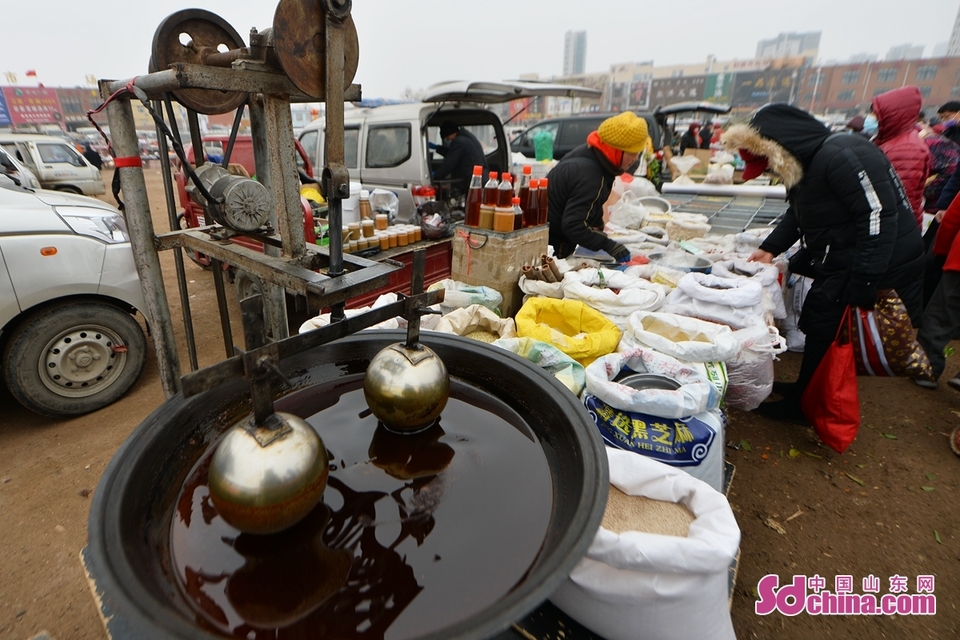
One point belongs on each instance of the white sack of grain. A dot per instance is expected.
(647, 586)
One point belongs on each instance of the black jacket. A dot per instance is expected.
(578, 187)
(849, 207)
(460, 157)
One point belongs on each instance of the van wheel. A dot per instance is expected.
(247, 285)
(73, 190)
(73, 359)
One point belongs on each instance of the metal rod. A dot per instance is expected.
(199, 76)
(199, 153)
(233, 135)
(178, 254)
(274, 303)
(145, 255)
(773, 192)
(217, 267)
(225, 370)
(335, 170)
(416, 288)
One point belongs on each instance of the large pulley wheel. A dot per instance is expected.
(299, 33)
(189, 36)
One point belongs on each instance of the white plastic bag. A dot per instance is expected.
(628, 212)
(613, 293)
(750, 373)
(734, 302)
(795, 292)
(323, 319)
(458, 295)
(645, 586)
(684, 164)
(719, 174)
(767, 274)
(383, 201)
(686, 339)
(695, 395)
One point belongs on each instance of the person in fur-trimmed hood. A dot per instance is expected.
(849, 209)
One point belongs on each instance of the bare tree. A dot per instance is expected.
(410, 94)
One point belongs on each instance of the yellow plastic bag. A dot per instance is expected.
(310, 193)
(579, 331)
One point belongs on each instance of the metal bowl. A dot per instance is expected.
(640, 381)
(135, 501)
(656, 203)
(680, 261)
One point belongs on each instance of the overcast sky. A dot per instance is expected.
(415, 43)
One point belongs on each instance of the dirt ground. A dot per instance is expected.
(887, 507)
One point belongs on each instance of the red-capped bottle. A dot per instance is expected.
(505, 191)
(523, 188)
(490, 190)
(544, 202)
(475, 197)
(531, 206)
(517, 213)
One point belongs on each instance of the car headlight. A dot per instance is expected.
(103, 225)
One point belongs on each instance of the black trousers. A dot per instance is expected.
(941, 320)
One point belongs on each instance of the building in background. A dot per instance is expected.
(953, 48)
(791, 45)
(848, 89)
(905, 52)
(940, 50)
(574, 53)
(858, 58)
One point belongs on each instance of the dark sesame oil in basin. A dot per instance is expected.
(414, 532)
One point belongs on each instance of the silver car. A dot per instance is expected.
(69, 292)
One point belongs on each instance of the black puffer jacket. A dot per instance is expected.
(847, 204)
(578, 187)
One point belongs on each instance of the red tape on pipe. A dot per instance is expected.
(129, 161)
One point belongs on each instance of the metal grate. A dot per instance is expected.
(728, 214)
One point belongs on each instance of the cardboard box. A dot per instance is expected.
(494, 259)
(704, 156)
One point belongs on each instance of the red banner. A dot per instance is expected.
(33, 105)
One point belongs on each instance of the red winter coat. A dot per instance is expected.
(897, 112)
(947, 244)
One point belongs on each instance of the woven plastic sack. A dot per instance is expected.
(613, 293)
(476, 317)
(695, 395)
(564, 368)
(582, 333)
(767, 274)
(736, 302)
(644, 586)
(686, 339)
(323, 319)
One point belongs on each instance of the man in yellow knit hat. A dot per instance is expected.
(581, 183)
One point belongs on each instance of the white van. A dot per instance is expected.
(55, 162)
(386, 147)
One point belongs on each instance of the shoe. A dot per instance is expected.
(785, 389)
(954, 382)
(932, 384)
(783, 411)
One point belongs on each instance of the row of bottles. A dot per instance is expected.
(490, 205)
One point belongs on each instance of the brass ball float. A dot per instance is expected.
(406, 386)
(266, 479)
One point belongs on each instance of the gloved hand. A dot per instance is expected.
(863, 296)
(619, 252)
(432, 145)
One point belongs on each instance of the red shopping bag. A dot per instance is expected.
(831, 401)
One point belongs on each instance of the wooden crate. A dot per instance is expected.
(494, 258)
